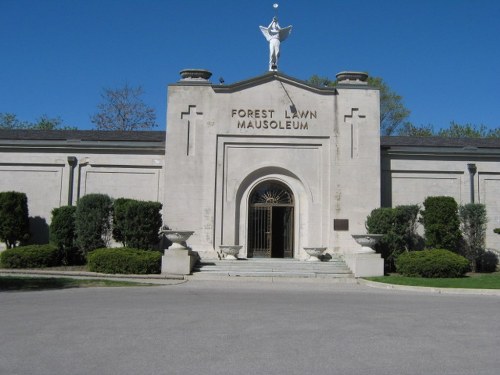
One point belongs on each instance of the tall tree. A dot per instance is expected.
(44, 122)
(410, 130)
(393, 112)
(124, 109)
(456, 130)
(50, 123)
(10, 121)
(319, 81)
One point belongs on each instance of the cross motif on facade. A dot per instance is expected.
(353, 121)
(191, 115)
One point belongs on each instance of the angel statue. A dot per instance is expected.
(274, 34)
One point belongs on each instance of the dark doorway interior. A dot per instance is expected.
(281, 232)
(270, 222)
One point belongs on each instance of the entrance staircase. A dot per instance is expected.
(335, 269)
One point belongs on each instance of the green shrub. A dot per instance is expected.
(398, 225)
(62, 235)
(32, 256)
(14, 218)
(93, 222)
(125, 261)
(119, 219)
(137, 223)
(432, 263)
(441, 223)
(473, 224)
(487, 262)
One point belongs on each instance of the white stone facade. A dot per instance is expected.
(56, 168)
(322, 145)
(413, 169)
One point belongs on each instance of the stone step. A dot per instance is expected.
(279, 275)
(336, 269)
(279, 268)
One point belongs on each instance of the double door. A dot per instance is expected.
(270, 231)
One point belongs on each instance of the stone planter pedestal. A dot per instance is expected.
(230, 251)
(178, 258)
(314, 253)
(365, 262)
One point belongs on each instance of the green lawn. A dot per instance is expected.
(10, 283)
(472, 281)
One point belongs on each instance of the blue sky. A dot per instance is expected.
(442, 56)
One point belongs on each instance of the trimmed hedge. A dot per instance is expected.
(432, 263)
(441, 223)
(124, 260)
(93, 222)
(487, 262)
(32, 256)
(136, 223)
(62, 235)
(473, 224)
(14, 218)
(119, 219)
(399, 227)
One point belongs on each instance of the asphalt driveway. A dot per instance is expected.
(245, 327)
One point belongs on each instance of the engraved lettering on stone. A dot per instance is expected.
(266, 118)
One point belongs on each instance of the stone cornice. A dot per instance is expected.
(273, 76)
(82, 140)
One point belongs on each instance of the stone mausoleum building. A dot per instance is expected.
(270, 163)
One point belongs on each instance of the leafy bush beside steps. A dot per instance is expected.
(432, 263)
(32, 256)
(124, 261)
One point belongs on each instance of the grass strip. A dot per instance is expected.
(9, 283)
(473, 281)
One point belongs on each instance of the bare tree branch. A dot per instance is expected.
(124, 109)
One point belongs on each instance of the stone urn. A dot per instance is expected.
(178, 238)
(195, 75)
(367, 241)
(230, 251)
(178, 259)
(314, 253)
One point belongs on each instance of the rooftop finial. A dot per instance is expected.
(274, 34)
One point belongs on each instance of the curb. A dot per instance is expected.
(425, 289)
(168, 278)
(6, 272)
(269, 278)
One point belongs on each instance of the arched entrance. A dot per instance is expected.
(270, 221)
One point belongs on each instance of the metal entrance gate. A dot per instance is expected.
(270, 222)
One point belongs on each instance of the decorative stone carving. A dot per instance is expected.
(274, 34)
(230, 251)
(314, 253)
(195, 75)
(367, 241)
(359, 78)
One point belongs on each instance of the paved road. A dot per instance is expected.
(241, 327)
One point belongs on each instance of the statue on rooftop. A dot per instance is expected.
(274, 34)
